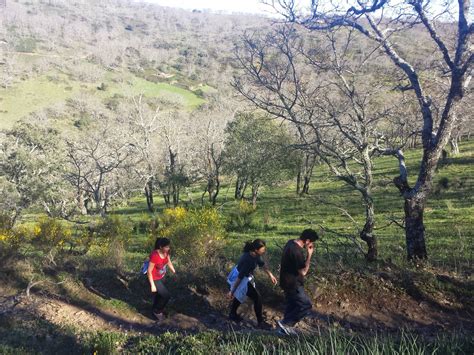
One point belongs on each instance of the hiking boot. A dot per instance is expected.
(264, 325)
(159, 316)
(285, 329)
(235, 318)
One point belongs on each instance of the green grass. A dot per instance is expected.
(30, 96)
(449, 215)
(47, 338)
(279, 216)
(35, 94)
(169, 92)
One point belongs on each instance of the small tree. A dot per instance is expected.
(256, 152)
(31, 170)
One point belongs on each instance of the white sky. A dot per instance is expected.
(251, 6)
(255, 6)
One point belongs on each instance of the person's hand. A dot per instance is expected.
(274, 279)
(310, 248)
(230, 295)
(153, 288)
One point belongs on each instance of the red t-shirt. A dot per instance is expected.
(160, 265)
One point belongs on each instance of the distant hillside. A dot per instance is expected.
(57, 51)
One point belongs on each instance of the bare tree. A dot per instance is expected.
(143, 126)
(328, 96)
(209, 125)
(96, 161)
(175, 144)
(383, 21)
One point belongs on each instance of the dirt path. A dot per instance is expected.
(348, 315)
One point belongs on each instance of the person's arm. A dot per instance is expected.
(270, 275)
(170, 265)
(305, 269)
(150, 276)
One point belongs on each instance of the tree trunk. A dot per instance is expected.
(175, 195)
(454, 145)
(366, 233)
(254, 194)
(415, 229)
(149, 195)
(240, 186)
(305, 189)
(304, 174)
(216, 191)
(81, 203)
(298, 182)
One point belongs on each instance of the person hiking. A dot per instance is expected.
(159, 261)
(294, 268)
(242, 284)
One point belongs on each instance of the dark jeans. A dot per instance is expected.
(298, 305)
(257, 303)
(162, 296)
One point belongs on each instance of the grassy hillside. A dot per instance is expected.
(39, 93)
(82, 302)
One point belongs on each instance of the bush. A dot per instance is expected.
(106, 342)
(112, 234)
(49, 233)
(10, 240)
(195, 233)
(242, 217)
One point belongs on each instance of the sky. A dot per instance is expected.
(249, 6)
(256, 7)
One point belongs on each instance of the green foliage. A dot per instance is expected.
(102, 343)
(30, 167)
(112, 234)
(257, 151)
(175, 343)
(26, 45)
(50, 233)
(241, 217)
(195, 233)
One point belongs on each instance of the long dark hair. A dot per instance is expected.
(162, 242)
(254, 245)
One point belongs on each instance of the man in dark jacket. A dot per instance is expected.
(294, 267)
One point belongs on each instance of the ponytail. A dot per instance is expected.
(254, 245)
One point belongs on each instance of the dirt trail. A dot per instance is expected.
(389, 313)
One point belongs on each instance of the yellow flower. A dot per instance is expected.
(37, 230)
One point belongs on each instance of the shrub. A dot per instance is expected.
(112, 234)
(6, 222)
(242, 217)
(195, 233)
(444, 182)
(49, 233)
(106, 342)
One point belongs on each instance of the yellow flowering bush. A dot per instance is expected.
(51, 233)
(195, 233)
(9, 240)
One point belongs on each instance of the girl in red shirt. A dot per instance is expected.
(159, 261)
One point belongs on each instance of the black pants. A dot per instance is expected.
(257, 303)
(162, 296)
(298, 305)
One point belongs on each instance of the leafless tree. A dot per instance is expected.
(384, 22)
(328, 96)
(143, 124)
(96, 161)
